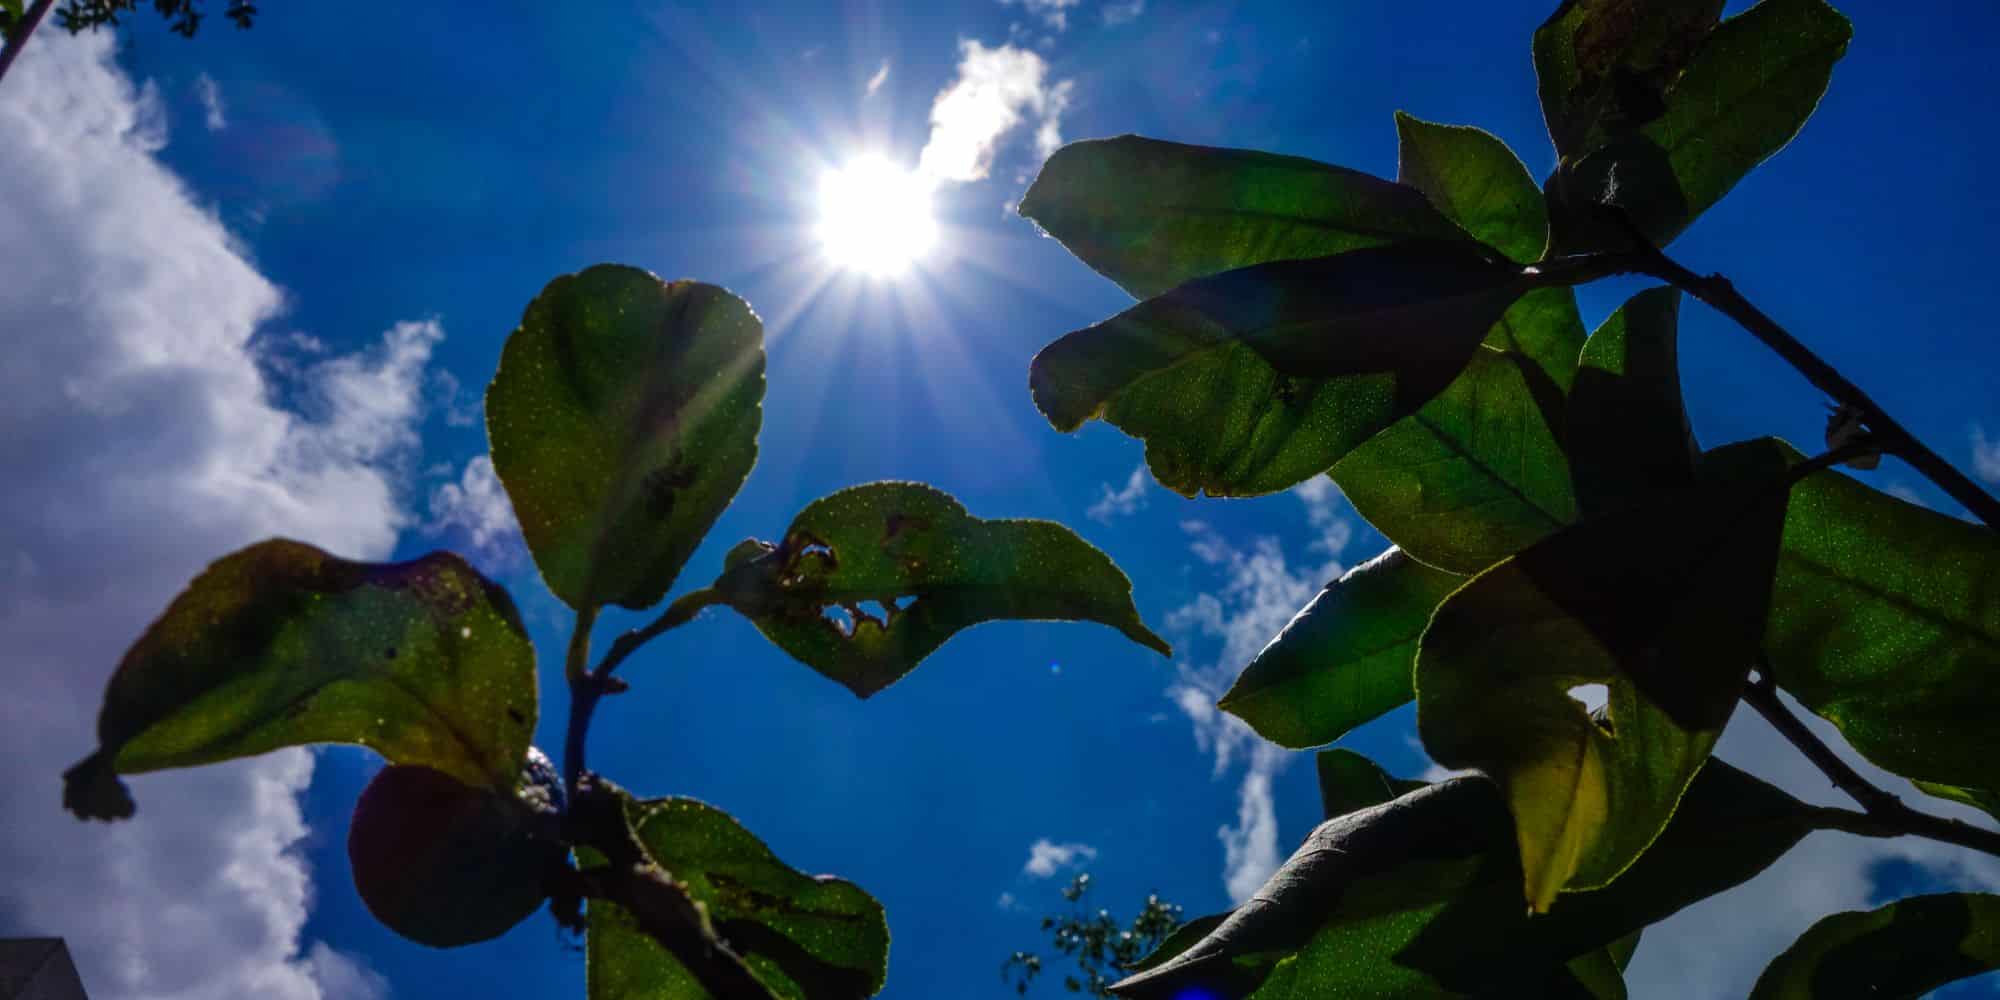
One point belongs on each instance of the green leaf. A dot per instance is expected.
(1254, 380)
(1905, 949)
(1349, 782)
(1184, 937)
(1978, 798)
(1629, 438)
(929, 569)
(1477, 182)
(1421, 897)
(281, 644)
(1603, 67)
(804, 937)
(623, 420)
(1886, 621)
(1664, 604)
(1345, 658)
(1745, 93)
(1152, 215)
(1478, 473)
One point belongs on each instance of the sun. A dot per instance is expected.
(875, 217)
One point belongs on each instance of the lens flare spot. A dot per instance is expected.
(875, 217)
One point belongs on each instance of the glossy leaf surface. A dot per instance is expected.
(1905, 949)
(805, 937)
(281, 644)
(1886, 620)
(623, 420)
(1629, 438)
(1420, 896)
(1664, 604)
(870, 580)
(1344, 659)
(1254, 380)
(1151, 215)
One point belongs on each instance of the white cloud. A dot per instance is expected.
(1324, 503)
(1123, 13)
(1121, 502)
(881, 77)
(1985, 456)
(1054, 13)
(476, 509)
(213, 113)
(1046, 857)
(142, 442)
(1259, 594)
(997, 90)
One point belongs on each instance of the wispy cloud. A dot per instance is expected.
(1121, 502)
(1053, 13)
(996, 91)
(881, 77)
(213, 113)
(1985, 456)
(475, 509)
(1046, 857)
(1123, 13)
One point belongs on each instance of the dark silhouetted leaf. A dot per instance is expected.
(1184, 937)
(1604, 67)
(1629, 439)
(1664, 604)
(804, 937)
(1420, 896)
(1349, 782)
(1346, 658)
(623, 419)
(1254, 380)
(1744, 94)
(1477, 182)
(1905, 950)
(1478, 473)
(1886, 620)
(1151, 215)
(870, 580)
(281, 644)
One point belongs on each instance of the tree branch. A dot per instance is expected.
(1885, 815)
(1716, 290)
(19, 37)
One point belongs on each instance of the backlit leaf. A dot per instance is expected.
(1346, 658)
(1905, 949)
(1663, 604)
(870, 580)
(1151, 215)
(1257, 379)
(281, 644)
(1349, 782)
(1420, 897)
(1477, 182)
(1629, 439)
(805, 937)
(622, 420)
(1886, 620)
(1603, 67)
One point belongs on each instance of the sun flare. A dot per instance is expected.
(875, 217)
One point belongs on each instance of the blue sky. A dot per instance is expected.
(259, 280)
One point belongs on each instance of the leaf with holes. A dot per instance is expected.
(1743, 95)
(805, 937)
(1420, 896)
(1604, 67)
(1886, 620)
(870, 580)
(1664, 604)
(281, 644)
(1629, 439)
(623, 420)
(1257, 379)
(1151, 215)
(1905, 949)
(1345, 658)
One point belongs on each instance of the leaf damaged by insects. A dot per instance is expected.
(870, 580)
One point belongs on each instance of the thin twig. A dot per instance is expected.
(1885, 815)
(19, 38)
(679, 613)
(584, 692)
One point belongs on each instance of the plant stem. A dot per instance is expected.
(584, 692)
(1888, 434)
(677, 614)
(29, 21)
(1885, 815)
